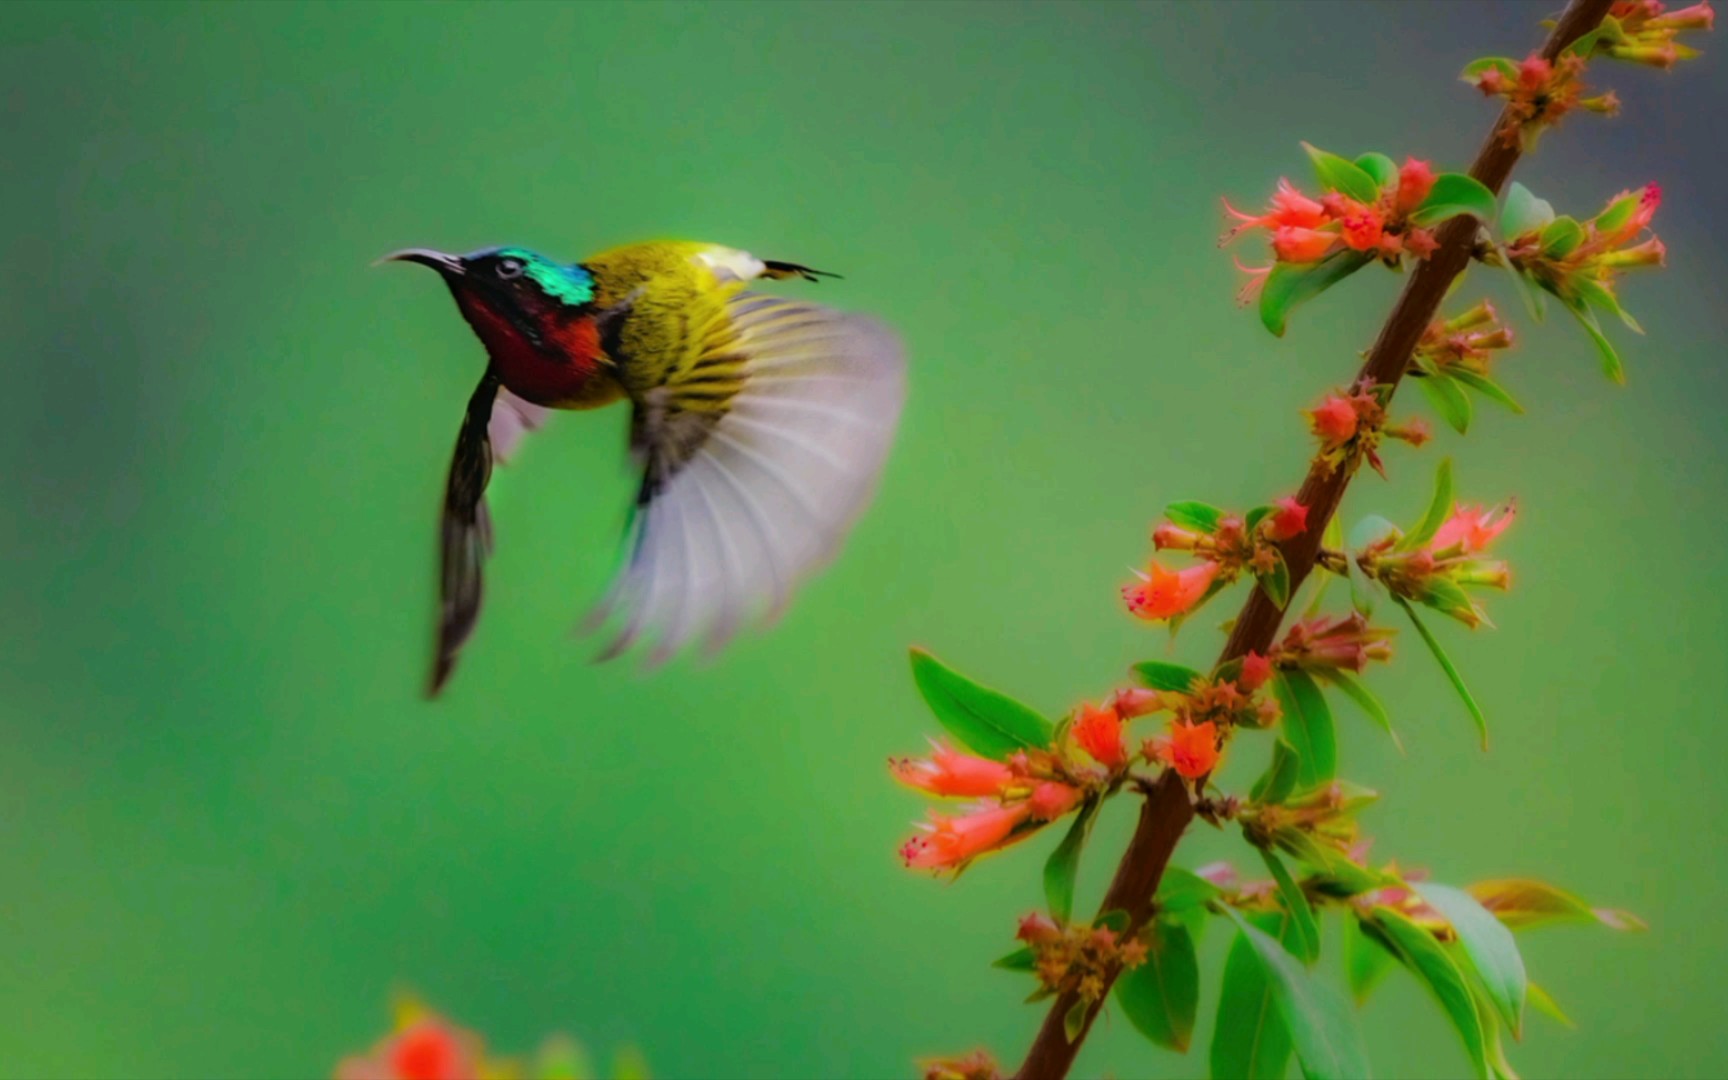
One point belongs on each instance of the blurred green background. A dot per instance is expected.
(229, 825)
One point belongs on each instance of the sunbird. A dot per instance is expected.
(760, 425)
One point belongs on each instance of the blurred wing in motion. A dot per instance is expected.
(493, 427)
(757, 458)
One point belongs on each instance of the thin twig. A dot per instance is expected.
(1165, 814)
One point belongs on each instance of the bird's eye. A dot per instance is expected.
(510, 268)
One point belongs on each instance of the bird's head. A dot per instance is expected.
(508, 292)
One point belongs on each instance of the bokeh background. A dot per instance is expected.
(229, 825)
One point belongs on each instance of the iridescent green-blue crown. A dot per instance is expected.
(566, 283)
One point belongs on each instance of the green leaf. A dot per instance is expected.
(1276, 582)
(1317, 1018)
(1611, 365)
(1448, 400)
(1527, 290)
(1160, 675)
(1499, 63)
(1162, 996)
(1255, 516)
(1180, 890)
(1598, 296)
(1561, 237)
(1447, 666)
(1489, 946)
(987, 722)
(1343, 175)
(1063, 865)
(1547, 1006)
(1371, 706)
(1367, 958)
(1618, 212)
(1370, 531)
(1199, 516)
(1250, 1040)
(1521, 903)
(1487, 387)
(1308, 727)
(1280, 777)
(1381, 168)
(1523, 211)
(1290, 285)
(1454, 194)
(1496, 1047)
(1362, 595)
(1429, 962)
(1439, 509)
(1021, 959)
(1075, 1022)
(1307, 938)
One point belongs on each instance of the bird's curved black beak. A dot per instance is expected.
(440, 261)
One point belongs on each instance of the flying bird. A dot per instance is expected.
(759, 424)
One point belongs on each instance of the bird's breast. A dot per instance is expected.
(558, 364)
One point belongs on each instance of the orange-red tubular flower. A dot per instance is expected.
(1099, 733)
(1190, 749)
(427, 1049)
(946, 842)
(1164, 593)
(950, 773)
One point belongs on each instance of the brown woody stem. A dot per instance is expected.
(1167, 811)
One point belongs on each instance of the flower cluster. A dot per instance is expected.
(1579, 261)
(1227, 545)
(1325, 815)
(1373, 220)
(1435, 572)
(426, 1046)
(1538, 92)
(978, 1065)
(1464, 342)
(1015, 799)
(1351, 426)
(1333, 643)
(1644, 31)
(1077, 958)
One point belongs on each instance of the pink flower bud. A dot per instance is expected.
(1697, 17)
(1415, 180)
(1036, 928)
(1289, 520)
(1470, 529)
(1135, 702)
(1534, 72)
(1420, 242)
(1256, 670)
(1334, 421)
(1051, 800)
(1168, 537)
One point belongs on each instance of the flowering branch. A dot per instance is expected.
(1025, 773)
(1168, 810)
